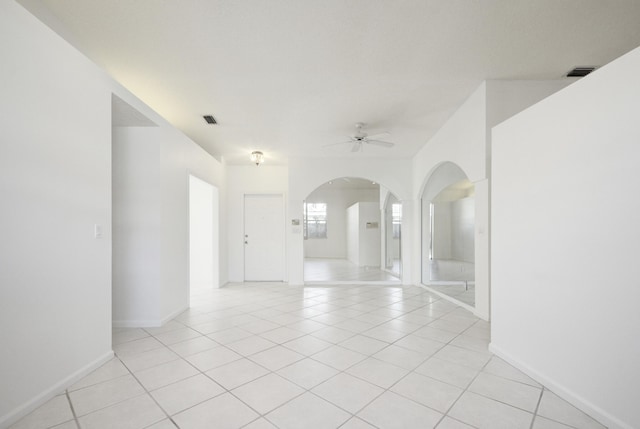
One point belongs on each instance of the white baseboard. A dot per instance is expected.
(59, 387)
(562, 391)
(153, 323)
(136, 323)
(173, 315)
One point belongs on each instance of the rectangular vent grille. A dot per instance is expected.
(210, 119)
(580, 71)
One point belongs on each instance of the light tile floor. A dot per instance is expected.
(453, 278)
(336, 270)
(461, 292)
(276, 356)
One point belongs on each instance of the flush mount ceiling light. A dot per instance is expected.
(257, 157)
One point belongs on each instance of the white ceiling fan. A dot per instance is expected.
(360, 138)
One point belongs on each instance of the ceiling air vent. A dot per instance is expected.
(580, 71)
(210, 119)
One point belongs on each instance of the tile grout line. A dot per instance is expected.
(73, 411)
(535, 413)
(310, 334)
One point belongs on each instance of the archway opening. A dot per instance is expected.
(352, 233)
(448, 225)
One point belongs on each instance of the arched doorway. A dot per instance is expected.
(345, 233)
(448, 226)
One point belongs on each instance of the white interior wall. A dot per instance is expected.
(337, 200)
(369, 235)
(363, 240)
(137, 223)
(151, 233)
(181, 157)
(55, 182)
(353, 234)
(57, 178)
(250, 179)
(465, 140)
(564, 266)
(202, 252)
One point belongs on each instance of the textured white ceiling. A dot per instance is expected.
(289, 76)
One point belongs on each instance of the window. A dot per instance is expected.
(396, 218)
(315, 220)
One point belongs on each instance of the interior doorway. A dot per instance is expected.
(345, 233)
(203, 236)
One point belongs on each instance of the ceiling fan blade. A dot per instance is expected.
(383, 133)
(380, 143)
(356, 147)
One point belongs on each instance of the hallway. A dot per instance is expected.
(276, 356)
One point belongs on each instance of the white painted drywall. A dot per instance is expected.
(353, 234)
(370, 236)
(564, 264)
(465, 140)
(203, 241)
(363, 234)
(137, 224)
(55, 181)
(250, 179)
(151, 170)
(337, 200)
(55, 185)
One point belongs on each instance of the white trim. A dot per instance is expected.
(153, 323)
(175, 314)
(58, 388)
(136, 323)
(562, 391)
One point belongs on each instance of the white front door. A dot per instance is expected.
(264, 238)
